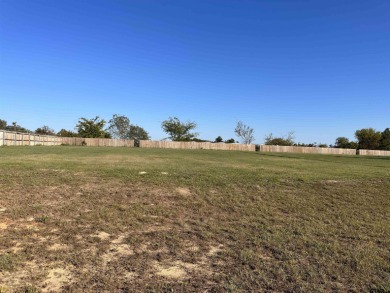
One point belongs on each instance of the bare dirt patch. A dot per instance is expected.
(57, 247)
(183, 191)
(56, 279)
(102, 235)
(175, 270)
(214, 250)
(116, 250)
(4, 225)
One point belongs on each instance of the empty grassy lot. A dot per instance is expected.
(84, 219)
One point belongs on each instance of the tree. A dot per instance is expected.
(45, 130)
(218, 139)
(231, 140)
(199, 140)
(285, 141)
(344, 143)
(368, 138)
(119, 126)
(137, 133)
(385, 139)
(244, 132)
(66, 133)
(92, 128)
(3, 124)
(177, 130)
(16, 127)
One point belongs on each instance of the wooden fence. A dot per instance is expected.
(306, 150)
(374, 153)
(98, 142)
(20, 139)
(196, 145)
(9, 138)
(28, 139)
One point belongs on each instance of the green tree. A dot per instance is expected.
(119, 126)
(92, 128)
(244, 132)
(177, 130)
(344, 143)
(45, 130)
(218, 139)
(16, 127)
(137, 133)
(67, 133)
(231, 140)
(3, 124)
(285, 141)
(385, 139)
(368, 138)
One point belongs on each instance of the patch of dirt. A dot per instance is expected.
(190, 246)
(214, 250)
(183, 191)
(58, 246)
(3, 225)
(6, 223)
(17, 247)
(176, 270)
(117, 249)
(102, 235)
(130, 276)
(15, 279)
(56, 278)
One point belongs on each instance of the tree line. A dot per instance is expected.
(120, 127)
(366, 138)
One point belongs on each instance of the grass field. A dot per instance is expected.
(89, 219)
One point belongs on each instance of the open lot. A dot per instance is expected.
(123, 220)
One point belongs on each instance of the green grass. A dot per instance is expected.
(222, 221)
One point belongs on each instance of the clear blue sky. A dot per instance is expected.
(320, 68)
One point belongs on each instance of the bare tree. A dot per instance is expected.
(244, 132)
(119, 126)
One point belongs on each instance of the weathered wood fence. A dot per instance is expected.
(9, 138)
(306, 150)
(196, 145)
(374, 153)
(19, 139)
(99, 142)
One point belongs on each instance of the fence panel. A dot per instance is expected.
(9, 138)
(29, 139)
(195, 145)
(374, 153)
(306, 150)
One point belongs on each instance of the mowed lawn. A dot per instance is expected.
(83, 219)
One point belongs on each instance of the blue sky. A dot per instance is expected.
(319, 68)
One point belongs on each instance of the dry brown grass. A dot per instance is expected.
(252, 226)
